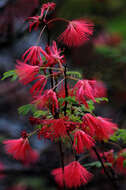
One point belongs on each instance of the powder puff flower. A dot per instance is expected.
(77, 32)
(33, 21)
(100, 89)
(84, 89)
(33, 55)
(25, 72)
(21, 150)
(89, 123)
(38, 87)
(82, 141)
(47, 6)
(53, 55)
(74, 175)
(36, 20)
(53, 129)
(105, 128)
(48, 98)
(101, 128)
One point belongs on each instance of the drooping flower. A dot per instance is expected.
(47, 99)
(33, 55)
(99, 89)
(101, 128)
(89, 123)
(82, 141)
(38, 87)
(105, 128)
(84, 89)
(25, 72)
(77, 32)
(74, 175)
(53, 129)
(21, 150)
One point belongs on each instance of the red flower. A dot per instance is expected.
(53, 55)
(38, 87)
(77, 32)
(89, 123)
(105, 128)
(82, 141)
(47, 6)
(108, 156)
(21, 150)
(120, 163)
(101, 128)
(74, 175)
(34, 55)
(100, 89)
(53, 129)
(49, 97)
(34, 21)
(26, 72)
(84, 89)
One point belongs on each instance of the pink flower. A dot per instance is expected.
(33, 21)
(21, 150)
(25, 72)
(77, 32)
(84, 89)
(74, 175)
(53, 55)
(82, 141)
(48, 98)
(101, 128)
(33, 55)
(47, 6)
(38, 87)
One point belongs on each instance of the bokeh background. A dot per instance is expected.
(103, 58)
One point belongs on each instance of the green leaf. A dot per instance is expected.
(39, 113)
(26, 109)
(93, 164)
(69, 99)
(74, 74)
(119, 135)
(74, 118)
(98, 100)
(11, 74)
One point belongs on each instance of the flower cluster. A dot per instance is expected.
(62, 112)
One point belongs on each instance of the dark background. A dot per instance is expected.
(103, 58)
